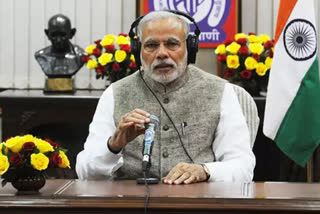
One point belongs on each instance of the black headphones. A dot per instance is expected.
(192, 40)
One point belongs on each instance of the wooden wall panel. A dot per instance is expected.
(21, 40)
(83, 25)
(98, 30)
(37, 41)
(7, 45)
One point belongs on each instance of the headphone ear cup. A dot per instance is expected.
(135, 50)
(192, 48)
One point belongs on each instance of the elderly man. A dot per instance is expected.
(203, 134)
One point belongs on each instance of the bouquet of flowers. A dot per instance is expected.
(111, 57)
(28, 153)
(247, 60)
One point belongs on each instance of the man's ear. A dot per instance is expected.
(73, 31)
(46, 32)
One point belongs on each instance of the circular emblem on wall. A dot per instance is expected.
(300, 39)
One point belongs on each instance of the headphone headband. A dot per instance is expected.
(192, 40)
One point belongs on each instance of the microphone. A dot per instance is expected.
(148, 142)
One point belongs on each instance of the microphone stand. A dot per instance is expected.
(146, 179)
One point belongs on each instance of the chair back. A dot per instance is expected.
(249, 110)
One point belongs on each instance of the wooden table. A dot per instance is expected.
(75, 196)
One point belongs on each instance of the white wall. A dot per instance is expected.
(22, 23)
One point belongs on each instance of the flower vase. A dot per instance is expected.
(27, 181)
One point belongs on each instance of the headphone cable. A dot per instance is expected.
(165, 111)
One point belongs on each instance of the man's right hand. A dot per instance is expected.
(130, 126)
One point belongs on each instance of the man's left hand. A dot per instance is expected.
(185, 173)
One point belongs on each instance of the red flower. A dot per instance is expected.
(7, 139)
(244, 51)
(109, 48)
(242, 41)
(52, 143)
(269, 44)
(99, 70)
(229, 73)
(97, 42)
(123, 34)
(125, 48)
(28, 146)
(256, 56)
(16, 159)
(115, 67)
(270, 54)
(85, 58)
(96, 52)
(55, 160)
(228, 42)
(102, 68)
(132, 65)
(252, 34)
(245, 74)
(222, 58)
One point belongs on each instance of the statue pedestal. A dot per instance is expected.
(57, 85)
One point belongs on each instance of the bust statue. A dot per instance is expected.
(62, 59)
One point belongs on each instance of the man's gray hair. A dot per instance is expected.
(161, 14)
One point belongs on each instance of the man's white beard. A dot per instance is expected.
(165, 78)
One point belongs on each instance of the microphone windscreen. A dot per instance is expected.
(154, 120)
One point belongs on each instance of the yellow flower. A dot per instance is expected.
(264, 38)
(250, 63)
(261, 69)
(108, 40)
(65, 161)
(105, 58)
(1, 146)
(256, 48)
(120, 55)
(268, 62)
(233, 48)
(254, 39)
(15, 144)
(39, 161)
(240, 36)
(122, 40)
(92, 64)
(233, 61)
(28, 138)
(43, 146)
(221, 49)
(4, 164)
(90, 48)
(132, 58)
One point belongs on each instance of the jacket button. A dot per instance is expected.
(166, 100)
(165, 154)
(165, 127)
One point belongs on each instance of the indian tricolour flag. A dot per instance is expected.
(292, 114)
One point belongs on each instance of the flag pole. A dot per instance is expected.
(310, 170)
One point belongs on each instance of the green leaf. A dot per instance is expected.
(4, 182)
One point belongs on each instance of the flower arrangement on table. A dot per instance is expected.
(111, 57)
(25, 154)
(247, 60)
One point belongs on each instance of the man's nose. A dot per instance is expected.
(58, 39)
(162, 52)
